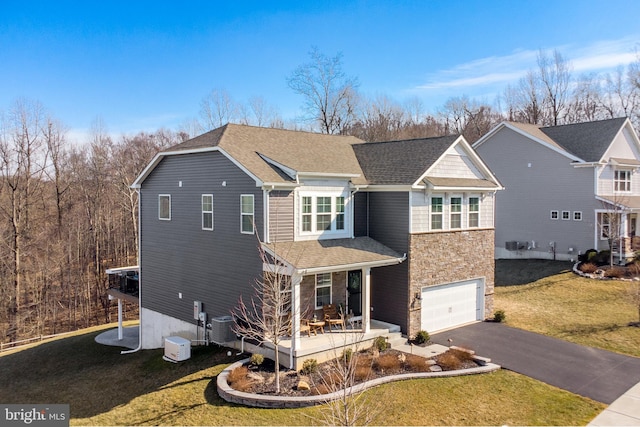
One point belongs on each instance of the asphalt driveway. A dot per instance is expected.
(598, 374)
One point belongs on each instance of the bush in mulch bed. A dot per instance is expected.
(325, 378)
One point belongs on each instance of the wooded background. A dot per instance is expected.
(67, 211)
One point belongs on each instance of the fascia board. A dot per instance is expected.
(627, 124)
(353, 266)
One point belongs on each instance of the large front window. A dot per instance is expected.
(622, 181)
(323, 289)
(320, 214)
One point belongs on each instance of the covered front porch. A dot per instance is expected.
(619, 221)
(336, 273)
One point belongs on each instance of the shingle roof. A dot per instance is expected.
(300, 151)
(334, 253)
(400, 162)
(589, 141)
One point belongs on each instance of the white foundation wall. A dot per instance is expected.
(157, 326)
(502, 253)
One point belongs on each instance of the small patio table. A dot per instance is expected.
(316, 325)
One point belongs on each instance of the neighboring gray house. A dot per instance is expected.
(566, 187)
(399, 233)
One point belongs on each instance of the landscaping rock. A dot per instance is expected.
(303, 385)
(435, 368)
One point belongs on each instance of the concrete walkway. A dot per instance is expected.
(625, 411)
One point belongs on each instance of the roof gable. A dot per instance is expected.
(400, 162)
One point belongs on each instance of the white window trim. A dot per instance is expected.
(160, 196)
(557, 214)
(333, 233)
(626, 182)
(451, 213)
(568, 218)
(469, 211)
(206, 212)
(330, 286)
(579, 214)
(441, 213)
(252, 214)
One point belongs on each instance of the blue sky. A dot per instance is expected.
(145, 65)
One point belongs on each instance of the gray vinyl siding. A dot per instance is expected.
(361, 214)
(281, 216)
(177, 256)
(538, 180)
(389, 224)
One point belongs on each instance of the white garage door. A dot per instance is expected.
(451, 305)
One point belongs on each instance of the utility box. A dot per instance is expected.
(221, 329)
(511, 246)
(176, 349)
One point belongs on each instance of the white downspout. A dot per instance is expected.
(139, 278)
(296, 278)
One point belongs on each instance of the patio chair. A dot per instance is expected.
(304, 327)
(332, 317)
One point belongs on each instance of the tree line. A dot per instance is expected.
(67, 211)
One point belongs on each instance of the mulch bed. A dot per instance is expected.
(327, 378)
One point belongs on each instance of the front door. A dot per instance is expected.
(354, 292)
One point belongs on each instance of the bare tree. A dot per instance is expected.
(554, 74)
(217, 109)
(266, 317)
(330, 96)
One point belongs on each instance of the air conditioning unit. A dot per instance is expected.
(221, 330)
(176, 349)
(511, 246)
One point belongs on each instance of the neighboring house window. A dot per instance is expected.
(246, 213)
(565, 215)
(456, 212)
(436, 213)
(306, 213)
(164, 207)
(323, 289)
(339, 213)
(577, 216)
(474, 212)
(605, 225)
(323, 213)
(554, 215)
(622, 181)
(207, 211)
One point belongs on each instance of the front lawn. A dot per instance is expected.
(591, 312)
(104, 387)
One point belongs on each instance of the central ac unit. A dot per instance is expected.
(176, 349)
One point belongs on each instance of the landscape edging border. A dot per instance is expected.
(231, 395)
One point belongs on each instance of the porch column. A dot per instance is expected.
(623, 237)
(366, 299)
(119, 319)
(296, 278)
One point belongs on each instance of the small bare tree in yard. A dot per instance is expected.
(610, 224)
(266, 317)
(348, 367)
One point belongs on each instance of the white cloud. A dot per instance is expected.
(493, 74)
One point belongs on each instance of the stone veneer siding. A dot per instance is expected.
(446, 257)
(308, 293)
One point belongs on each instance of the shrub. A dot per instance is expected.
(634, 268)
(449, 361)
(309, 366)
(256, 359)
(387, 362)
(381, 343)
(320, 389)
(588, 267)
(347, 354)
(422, 337)
(237, 374)
(601, 258)
(463, 356)
(499, 316)
(416, 363)
(362, 372)
(588, 255)
(614, 272)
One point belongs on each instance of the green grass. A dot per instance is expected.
(595, 313)
(104, 387)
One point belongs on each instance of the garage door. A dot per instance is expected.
(453, 304)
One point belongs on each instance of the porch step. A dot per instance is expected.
(396, 339)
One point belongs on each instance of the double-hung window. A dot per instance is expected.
(622, 181)
(164, 207)
(246, 213)
(307, 214)
(207, 211)
(322, 213)
(340, 213)
(474, 212)
(436, 213)
(605, 225)
(455, 214)
(323, 289)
